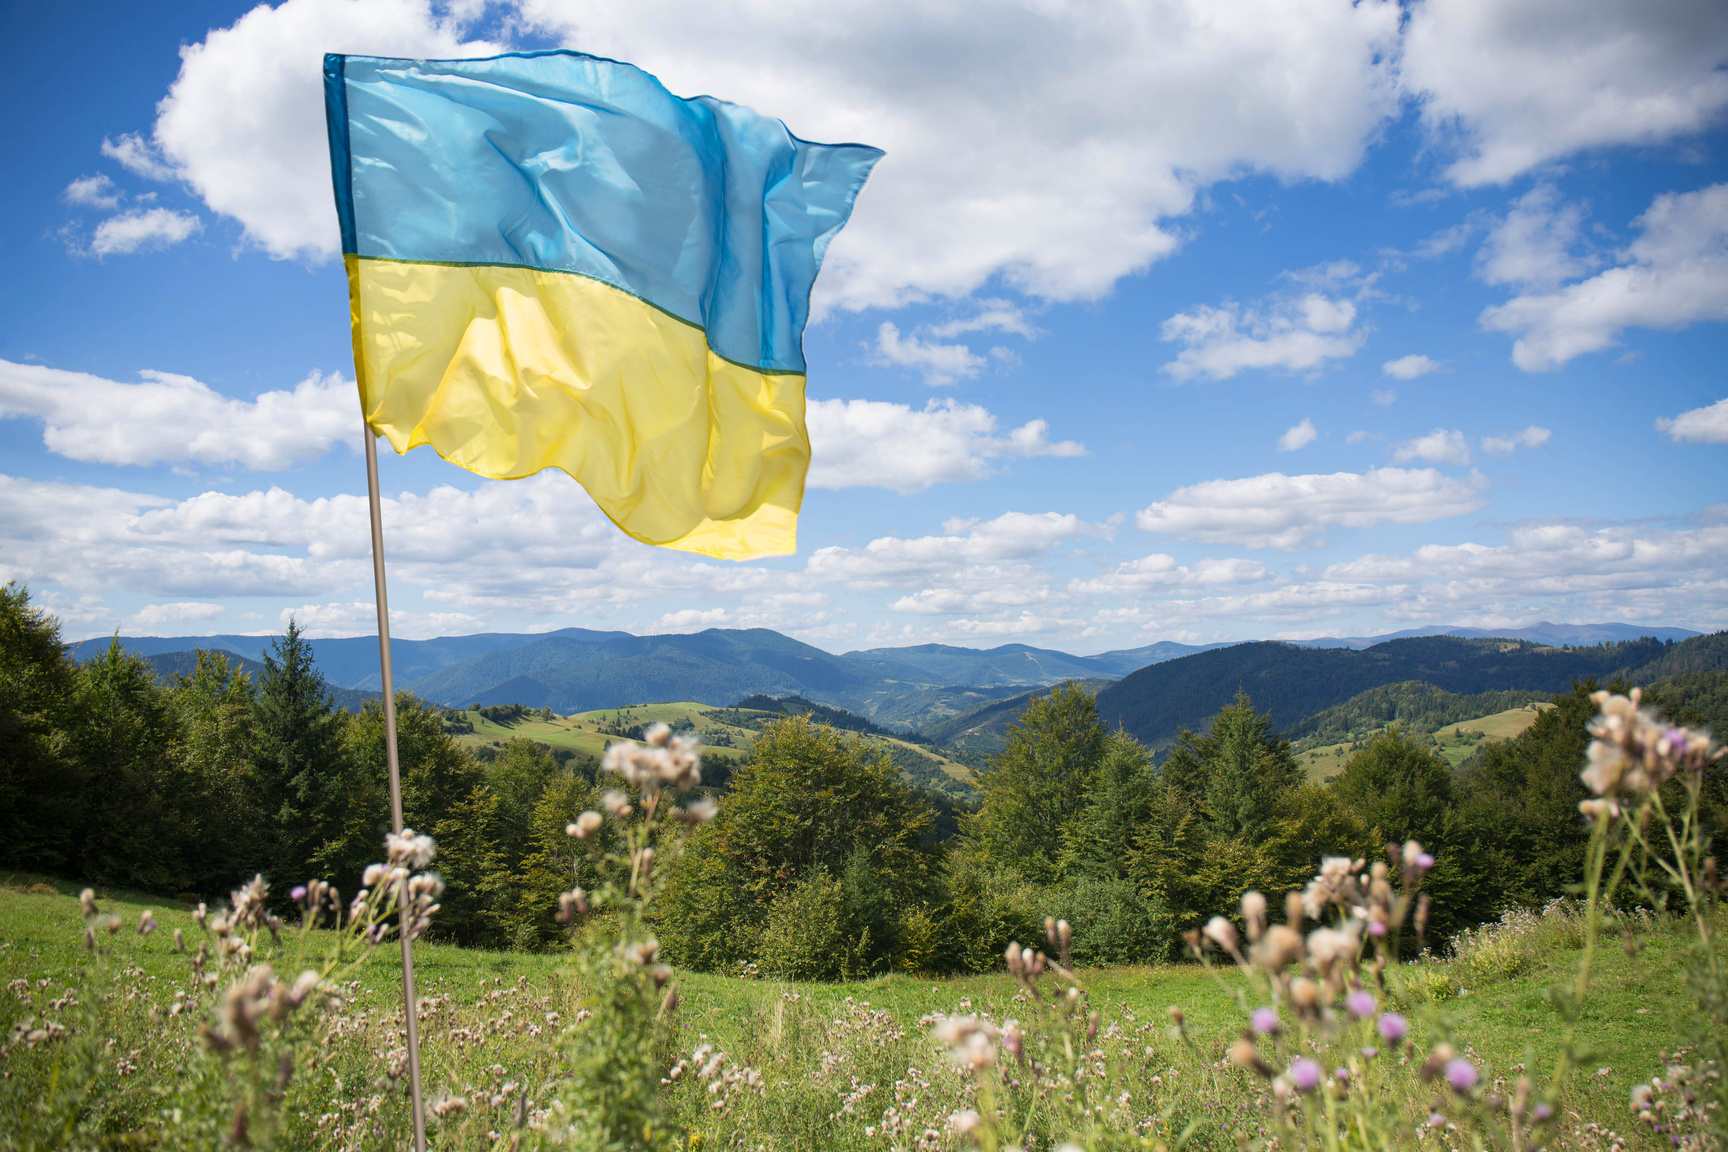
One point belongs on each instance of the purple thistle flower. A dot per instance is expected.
(1392, 1027)
(1461, 1074)
(1369, 1052)
(1361, 1003)
(1305, 1074)
(1264, 1021)
(298, 892)
(1543, 1112)
(1376, 929)
(1425, 861)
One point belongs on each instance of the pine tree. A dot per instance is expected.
(1238, 771)
(214, 748)
(299, 761)
(477, 879)
(40, 783)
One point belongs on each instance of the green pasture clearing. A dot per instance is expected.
(720, 735)
(1456, 741)
(1637, 1007)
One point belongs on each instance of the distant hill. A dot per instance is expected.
(1541, 633)
(984, 730)
(578, 669)
(1293, 682)
(171, 664)
(1419, 707)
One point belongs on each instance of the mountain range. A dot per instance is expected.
(965, 697)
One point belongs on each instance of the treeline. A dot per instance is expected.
(1417, 707)
(188, 787)
(822, 862)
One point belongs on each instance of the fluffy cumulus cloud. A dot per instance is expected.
(1574, 570)
(1300, 436)
(142, 230)
(938, 363)
(1060, 189)
(1706, 425)
(873, 443)
(1674, 274)
(1408, 368)
(1441, 446)
(1293, 335)
(1294, 512)
(93, 192)
(169, 419)
(1537, 243)
(1513, 84)
(1532, 437)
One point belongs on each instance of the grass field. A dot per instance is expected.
(721, 735)
(818, 1045)
(1456, 741)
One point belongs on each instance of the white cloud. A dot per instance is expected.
(172, 419)
(1438, 447)
(1060, 191)
(243, 123)
(873, 443)
(142, 230)
(1407, 368)
(997, 315)
(1384, 397)
(1296, 335)
(359, 617)
(1159, 571)
(139, 157)
(93, 192)
(939, 363)
(1299, 436)
(1706, 425)
(1294, 512)
(1675, 274)
(155, 615)
(1535, 245)
(1532, 437)
(1010, 538)
(1517, 83)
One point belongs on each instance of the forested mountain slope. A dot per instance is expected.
(1292, 682)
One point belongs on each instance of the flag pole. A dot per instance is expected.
(411, 1009)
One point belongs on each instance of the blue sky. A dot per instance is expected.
(1161, 320)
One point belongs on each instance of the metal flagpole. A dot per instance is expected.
(411, 1010)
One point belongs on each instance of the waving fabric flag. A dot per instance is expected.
(553, 262)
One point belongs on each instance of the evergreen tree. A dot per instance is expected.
(1036, 788)
(299, 762)
(475, 906)
(554, 861)
(1119, 804)
(135, 832)
(1238, 771)
(40, 782)
(214, 749)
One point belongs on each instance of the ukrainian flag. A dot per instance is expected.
(553, 262)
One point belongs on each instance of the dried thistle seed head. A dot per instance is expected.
(1222, 933)
(1293, 909)
(1304, 994)
(1253, 914)
(409, 850)
(87, 901)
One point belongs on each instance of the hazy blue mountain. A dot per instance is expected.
(1008, 664)
(171, 664)
(1541, 633)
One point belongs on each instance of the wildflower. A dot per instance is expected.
(1253, 914)
(1436, 1062)
(1264, 1021)
(1392, 1027)
(146, 922)
(661, 760)
(1280, 945)
(699, 812)
(585, 826)
(965, 1122)
(1013, 1038)
(409, 850)
(297, 893)
(1360, 1003)
(1460, 1074)
(1329, 946)
(179, 941)
(445, 1107)
(1244, 1054)
(1305, 1074)
(616, 803)
(570, 903)
(1222, 933)
(1643, 1098)
(87, 901)
(247, 904)
(1305, 994)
